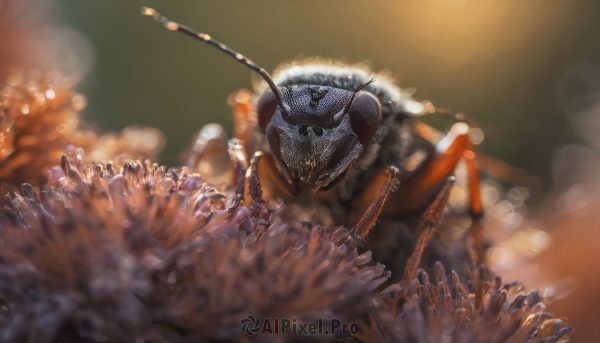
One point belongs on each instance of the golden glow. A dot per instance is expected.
(78, 102)
(148, 11)
(50, 94)
(476, 136)
(171, 26)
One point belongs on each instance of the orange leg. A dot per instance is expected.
(428, 224)
(243, 110)
(244, 126)
(458, 146)
(416, 192)
(361, 230)
(435, 170)
(244, 119)
(474, 191)
(475, 239)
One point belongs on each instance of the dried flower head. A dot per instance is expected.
(475, 311)
(145, 254)
(114, 249)
(40, 122)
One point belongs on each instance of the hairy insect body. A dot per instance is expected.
(395, 143)
(343, 135)
(393, 140)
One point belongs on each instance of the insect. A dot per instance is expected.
(339, 131)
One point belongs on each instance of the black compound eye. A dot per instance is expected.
(365, 116)
(265, 108)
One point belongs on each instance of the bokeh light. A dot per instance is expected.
(497, 61)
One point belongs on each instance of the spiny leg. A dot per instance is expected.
(415, 192)
(450, 150)
(244, 118)
(490, 165)
(426, 229)
(361, 230)
(447, 154)
(238, 161)
(254, 189)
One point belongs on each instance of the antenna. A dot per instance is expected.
(347, 108)
(203, 37)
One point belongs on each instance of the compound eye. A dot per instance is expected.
(265, 108)
(365, 116)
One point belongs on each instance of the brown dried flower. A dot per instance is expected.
(147, 254)
(40, 122)
(113, 249)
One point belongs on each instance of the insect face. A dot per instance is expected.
(318, 132)
(315, 132)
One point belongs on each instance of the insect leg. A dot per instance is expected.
(244, 116)
(475, 237)
(254, 188)
(474, 190)
(415, 192)
(428, 224)
(238, 161)
(449, 151)
(361, 230)
(210, 140)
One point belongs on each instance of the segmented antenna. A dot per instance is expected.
(203, 37)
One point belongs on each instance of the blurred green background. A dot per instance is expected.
(499, 61)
